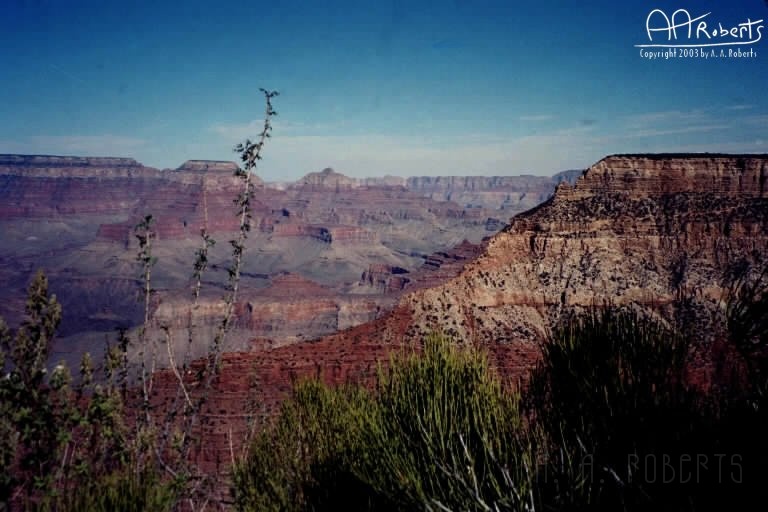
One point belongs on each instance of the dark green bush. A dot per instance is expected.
(611, 392)
(121, 491)
(62, 447)
(305, 460)
(747, 320)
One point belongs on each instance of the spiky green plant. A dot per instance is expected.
(438, 433)
(445, 435)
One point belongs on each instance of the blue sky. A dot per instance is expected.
(373, 88)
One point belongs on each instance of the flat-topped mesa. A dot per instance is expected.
(208, 166)
(327, 178)
(660, 174)
(385, 181)
(445, 183)
(64, 161)
(512, 193)
(216, 175)
(51, 166)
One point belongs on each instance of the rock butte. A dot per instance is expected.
(634, 229)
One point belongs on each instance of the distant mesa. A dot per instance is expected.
(66, 161)
(386, 181)
(208, 166)
(51, 166)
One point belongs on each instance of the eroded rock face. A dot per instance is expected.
(657, 175)
(633, 229)
(75, 217)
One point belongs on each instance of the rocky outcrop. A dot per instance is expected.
(385, 278)
(634, 228)
(436, 268)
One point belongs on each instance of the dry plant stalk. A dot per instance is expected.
(186, 404)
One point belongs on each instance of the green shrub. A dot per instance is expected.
(438, 433)
(747, 321)
(62, 447)
(122, 491)
(305, 459)
(611, 394)
(446, 435)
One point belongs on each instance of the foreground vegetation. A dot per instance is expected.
(608, 421)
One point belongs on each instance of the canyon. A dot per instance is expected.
(325, 253)
(344, 272)
(655, 232)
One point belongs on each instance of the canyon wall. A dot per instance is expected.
(75, 217)
(635, 229)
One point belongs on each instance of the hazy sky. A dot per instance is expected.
(374, 88)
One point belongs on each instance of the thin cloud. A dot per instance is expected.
(669, 116)
(759, 120)
(672, 122)
(84, 145)
(675, 131)
(536, 118)
(740, 107)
